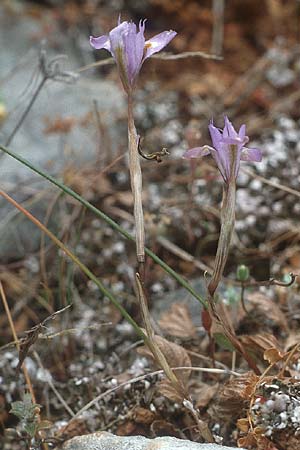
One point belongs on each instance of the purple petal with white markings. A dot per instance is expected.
(198, 152)
(100, 42)
(251, 154)
(158, 42)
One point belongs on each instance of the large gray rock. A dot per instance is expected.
(108, 441)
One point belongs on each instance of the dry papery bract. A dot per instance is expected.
(176, 356)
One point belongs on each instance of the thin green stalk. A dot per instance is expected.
(227, 227)
(107, 219)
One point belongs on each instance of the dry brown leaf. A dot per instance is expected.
(256, 440)
(87, 181)
(204, 393)
(175, 355)
(273, 355)
(257, 344)
(243, 425)
(233, 397)
(168, 390)
(143, 415)
(177, 322)
(75, 427)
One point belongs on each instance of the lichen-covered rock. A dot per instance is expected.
(108, 441)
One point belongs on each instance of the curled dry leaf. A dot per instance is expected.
(233, 398)
(176, 356)
(177, 322)
(257, 344)
(273, 355)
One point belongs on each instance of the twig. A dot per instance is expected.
(58, 334)
(202, 426)
(162, 55)
(271, 183)
(143, 377)
(16, 340)
(173, 248)
(50, 69)
(50, 382)
(218, 27)
(24, 368)
(271, 282)
(183, 55)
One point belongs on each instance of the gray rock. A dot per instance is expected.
(19, 79)
(108, 441)
(20, 46)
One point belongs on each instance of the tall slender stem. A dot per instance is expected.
(227, 226)
(136, 184)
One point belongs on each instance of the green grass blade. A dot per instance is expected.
(107, 219)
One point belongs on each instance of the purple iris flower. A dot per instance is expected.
(129, 48)
(228, 149)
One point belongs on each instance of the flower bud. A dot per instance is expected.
(242, 273)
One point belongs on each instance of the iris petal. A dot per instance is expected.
(100, 42)
(158, 42)
(228, 149)
(251, 154)
(197, 152)
(128, 48)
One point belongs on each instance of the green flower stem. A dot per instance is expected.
(107, 219)
(227, 226)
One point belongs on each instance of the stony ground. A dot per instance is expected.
(77, 131)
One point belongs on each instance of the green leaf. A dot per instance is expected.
(26, 411)
(223, 341)
(31, 427)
